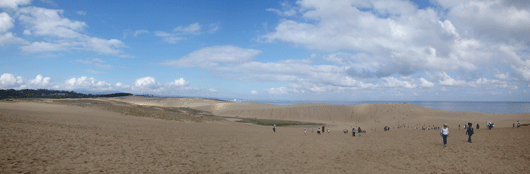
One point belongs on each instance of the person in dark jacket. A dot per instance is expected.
(469, 132)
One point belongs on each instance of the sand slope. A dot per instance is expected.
(46, 138)
(338, 116)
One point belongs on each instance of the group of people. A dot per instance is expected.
(518, 124)
(319, 131)
(444, 132)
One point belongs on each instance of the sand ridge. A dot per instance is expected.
(339, 117)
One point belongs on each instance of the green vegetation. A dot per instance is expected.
(166, 113)
(268, 122)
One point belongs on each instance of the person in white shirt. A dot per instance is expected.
(444, 133)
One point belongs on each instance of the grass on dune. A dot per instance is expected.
(166, 113)
(268, 122)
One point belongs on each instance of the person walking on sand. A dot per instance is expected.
(353, 131)
(445, 133)
(518, 124)
(274, 128)
(513, 125)
(311, 129)
(469, 132)
(458, 127)
(305, 131)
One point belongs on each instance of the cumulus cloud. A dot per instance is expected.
(425, 83)
(84, 83)
(402, 39)
(393, 83)
(253, 92)
(179, 82)
(6, 22)
(9, 80)
(13, 3)
(63, 33)
(7, 38)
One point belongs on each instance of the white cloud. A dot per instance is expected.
(179, 82)
(253, 92)
(287, 10)
(9, 81)
(40, 82)
(80, 12)
(213, 28)
(425, 83)
(94, 71)
(178, 33)
(62, 33)
(399, 38)
(6, 22)
(191, 29)
(502, 76)
(8, 38)
(446, 80)
(48, 22)
(13, 3)
(393, 83)
(213, 56)
(168, 37)
(138, 32)
(146, 83)
(96, 62)
(85, 83)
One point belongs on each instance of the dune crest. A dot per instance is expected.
(337, 116)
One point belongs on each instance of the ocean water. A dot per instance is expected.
(485, 107)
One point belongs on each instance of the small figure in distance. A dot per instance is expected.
(353, 131)
(513, 125)
(444, 132)
(469, 132)
(518, 124)
(478, 126)
(305, 131)
(318, 131)
(458, 127)
(274, 128)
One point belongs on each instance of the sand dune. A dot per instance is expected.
(48, 138)
(338, 116)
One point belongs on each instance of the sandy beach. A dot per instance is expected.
(51, 137)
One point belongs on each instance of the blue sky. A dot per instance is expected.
(276, 50)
